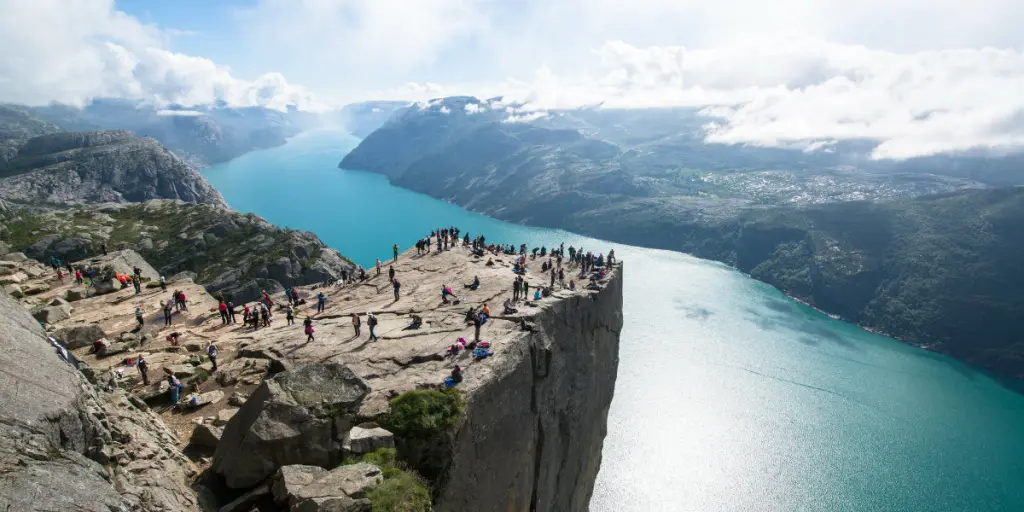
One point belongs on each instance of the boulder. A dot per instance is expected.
(57, 301)
(210, 397)
(361, 440)
(223, 416)
(79, 336)
(237, 399)
(120, 347)
(34, 271)
(206, 436)
(296, 417)
(14, 278)
(15, 291)
(17, 257)
(52, 314)
(35, 288)
(180, 370)
(290, 479)
(342, 488)
(77, 293)
(103, 287)
(193, 346)
(4, 248)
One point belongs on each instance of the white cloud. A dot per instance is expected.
(182, 113)
(76, 50)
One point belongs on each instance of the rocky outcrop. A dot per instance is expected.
(313, 489)
(297, 417)
(90, 167)
(228, 252)
(66, 447)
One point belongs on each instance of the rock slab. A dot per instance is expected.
(296, 417)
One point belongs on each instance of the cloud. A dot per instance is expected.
(182, 113)
(76, 50)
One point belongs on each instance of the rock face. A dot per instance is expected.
(94, 167)
(534, 433)
(56, 434)
(297, 417)
(361, 440)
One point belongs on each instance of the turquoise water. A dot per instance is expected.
(729, 395)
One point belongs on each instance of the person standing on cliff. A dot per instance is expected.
(394, 249)
(515, 289)
(139, 314)
(231, 312)
(378, 266)
(371, 321)
(526, 290)
(168, 307)
(290, 315)
(321, 302)
(223, 308)
(391, 273)
(396, 285)
(356, 323)
(211, 352)
(143, 368)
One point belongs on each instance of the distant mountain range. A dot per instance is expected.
(923, 249)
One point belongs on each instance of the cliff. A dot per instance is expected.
(62, 169)
(525, 426)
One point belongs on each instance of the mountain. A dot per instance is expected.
(200, 135)
(361, 119)
(62, 168)
(928, 258)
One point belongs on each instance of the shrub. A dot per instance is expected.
(424, 413)
(402, 492)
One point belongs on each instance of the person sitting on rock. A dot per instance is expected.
(537, 294)
(454, 379)
(475, 284)
(508, 309)
(99, 346)
(572, 285)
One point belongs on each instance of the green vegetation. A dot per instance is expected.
(420, 413)
(402, 490)
(421, 421)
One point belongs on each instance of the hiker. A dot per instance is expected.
(536, 294)
(561, 277)
(391, 273)
(395, 250)
(60, 276)
(163, 284)
(143, 370)
(78, 276)
(181, 301)
(265, 315)
(477, 322)
(288, 294)
(371, 321)
(475, 284)
(290, 315)
(245, 314)
(611, 257)
(508, 308)
(486, 311)
(295, 296)
(526, 290)
(362, 274)
(553, 277)
(175, 387)
(572, 285)
(223, 308)
(356, 323)
(417, 321)
(139, 312)
(396, 285)
(515, 288)
(309, 330)
(321, 302)
(137, 283)
(231, 313)
(378, 266)
(168, 308)
(174, 338)
(211, 351)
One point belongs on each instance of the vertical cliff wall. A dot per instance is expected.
(532, 436)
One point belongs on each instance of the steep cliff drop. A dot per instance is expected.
(533, 433)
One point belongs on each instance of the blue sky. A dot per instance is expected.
(923, 76)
